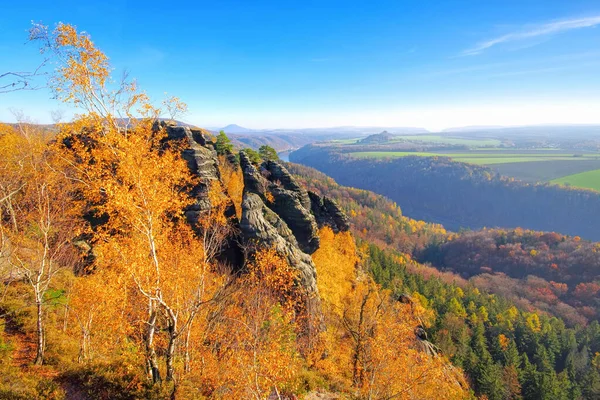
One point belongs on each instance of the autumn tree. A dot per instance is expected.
(233, 183)
(101, 324)
(37, 220)
(336, 261)
(118, 156)
(253, 344)
(370, 338)
(377, 347)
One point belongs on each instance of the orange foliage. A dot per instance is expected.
(246, 345)
(41, 220)
(370, 339)
(98, 308)
(233, 182)
(503, 341)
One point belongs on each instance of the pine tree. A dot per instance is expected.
(252, 155)
(223, 144)
(268, 153)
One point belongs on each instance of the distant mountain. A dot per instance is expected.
(233, 128)
(342, 130)
(566, 131)
(472, 128)
(367, 130)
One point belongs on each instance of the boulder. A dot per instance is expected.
(254, 182)
(279, 174)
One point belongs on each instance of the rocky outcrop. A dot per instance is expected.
(201, 158)
(279, 174)
(279, 213)
(261, 227)
(327, 212)
(277, 189)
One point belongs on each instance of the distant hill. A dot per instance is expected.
(280, 142)
(233, 128)
(565, 131)
(383, 137)
(367, 130)
(336, 130)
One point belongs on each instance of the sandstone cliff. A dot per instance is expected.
(277, 212)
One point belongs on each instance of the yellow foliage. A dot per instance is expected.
(100, 323)
(154, 293)
(370, 339)
(271, 272)
(245, 346)
(336, 261)
(373, 349)
(533, 322)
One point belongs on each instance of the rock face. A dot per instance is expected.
(261, 227)
(201, 158)
(276, 188)
(327, 212)
(279, 213)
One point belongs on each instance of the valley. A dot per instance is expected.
(557, 161)
(463, 195)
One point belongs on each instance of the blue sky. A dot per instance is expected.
(262, 64)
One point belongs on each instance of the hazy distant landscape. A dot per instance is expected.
(464, 182)
(563, 156)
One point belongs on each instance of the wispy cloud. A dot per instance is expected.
(536, 31)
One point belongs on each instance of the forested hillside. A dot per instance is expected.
(548, 272)
(460, 195)
(374, 217)
(566, 268)
(515, 333)
(506, 351)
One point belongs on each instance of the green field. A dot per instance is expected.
(344, 141)
(588, 180)
(390, 154)
(487, 158)
(554, 166)
(447, 140)
(430, 139)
